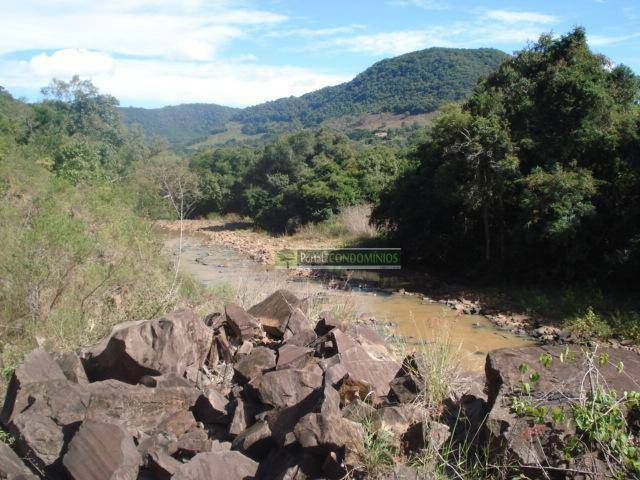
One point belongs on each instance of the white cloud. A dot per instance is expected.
(425, 4)
(507, 16)
(194, 29)
(604, 40)
(391, 43)
(65, 63)
(139, 81)
(316, 32)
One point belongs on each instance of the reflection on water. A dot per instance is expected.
(474, 334)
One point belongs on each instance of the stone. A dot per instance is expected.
(293, 356)
(101, 451)
(250, 367)
(223, 465)
(256, 441)
(327, 322)
(12, 467)
(297, 323)
(304, 338)
(425, 434)
(38, 367)
(194, 441)
(322, 433)
(405, 388)
(169, 344)
(518, 436)
(285, 388)
(39, 439)
(358, 411)
(243, 415)
(274, 312)
(366, 362)
(177, 424)
(211, 407)
(242, 324)
(72, 367)
(170, 380)
(163, 465)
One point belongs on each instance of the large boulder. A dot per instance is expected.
(12, 467)
(242, 324)
(554, 375)
(250, 367)
(37, 367)
(366, 359)
(286, 388)
(174, 343)
(230, 465)
(102, 451)
(277, 311)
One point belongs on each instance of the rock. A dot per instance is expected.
(425, 434)
(359, 411)
(170, 344)
(195, 441)
(163, 465)
(139, 408)
(177, 424)
(405, 472)
(243, 415)
(296, 323)
(224, 465)
(256, 441)
(518, 436)
(243, 325)
(322, 433)
(250, 367)
(395, 420)
(169, 380)
(275, 311)
(366, 362)
(293, 356)
(12, 467)
(304, 338)
(38, 367)
(72, 367)
(102, 451)
(405, 388)
(39, 439)
(211, 407)
(326, 323)
(285, 388)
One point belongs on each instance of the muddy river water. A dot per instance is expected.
(410, 316)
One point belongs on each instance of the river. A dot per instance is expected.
(409, 316)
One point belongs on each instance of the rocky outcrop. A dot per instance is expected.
(175, 343)
(235, 398)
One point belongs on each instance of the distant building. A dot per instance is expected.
(381, 134)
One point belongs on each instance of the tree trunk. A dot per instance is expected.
(487, 232)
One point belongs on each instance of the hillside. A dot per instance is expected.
(413, 83)
(416, 82)
(182, 125)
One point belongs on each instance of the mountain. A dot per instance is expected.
(182, 125)
(414, 83)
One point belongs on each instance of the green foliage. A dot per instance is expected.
(76, 258)
(538, 163)
(416, 82)
(181, 125)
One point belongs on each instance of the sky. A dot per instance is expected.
(152, 53)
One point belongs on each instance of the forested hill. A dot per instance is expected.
(416, 82)
(181, 124)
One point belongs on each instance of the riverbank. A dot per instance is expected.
(570, 315)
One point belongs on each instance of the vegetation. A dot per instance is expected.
(296, 179)
(77, 255)
(534, 177)
(413, 83)
(181, 125)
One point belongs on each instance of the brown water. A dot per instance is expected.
(412, 317)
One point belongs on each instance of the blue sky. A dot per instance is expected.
(242, 52)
